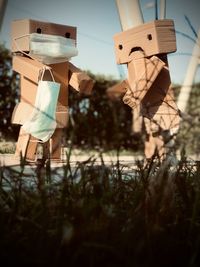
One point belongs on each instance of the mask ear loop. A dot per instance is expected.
(43, 71)
(17, 45)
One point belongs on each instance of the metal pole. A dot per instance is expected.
(156, 9)
(162, 9)
(189, 78)
(2, 11)
(130, 13)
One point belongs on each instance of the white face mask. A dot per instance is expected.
(50, 49)
(42, 121)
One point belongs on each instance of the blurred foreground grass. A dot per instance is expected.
(98, 215)
(7, 147)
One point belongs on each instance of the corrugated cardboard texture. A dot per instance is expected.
(22, 28)
(137, 120)
(37, 150)
(27, 146)
(153, 38)
(62, 116)
(27, 67)
(22, 143)
(31, 153)
(61, 75)
(30, 71)
(56, 144)
(80, 81)
(159, 103)
(142, 74)
(28, 90)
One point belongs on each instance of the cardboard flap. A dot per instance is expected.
(27, 67)
(80, 81)
(62, 116)
(19, 115)
(146, 72)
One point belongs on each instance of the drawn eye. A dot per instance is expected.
(149, 37)
(120, 47)
(39, 30)
(67, 34)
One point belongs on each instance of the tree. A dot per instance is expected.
(9, 94)
(96, 121)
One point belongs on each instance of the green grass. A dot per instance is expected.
(95, 215)
(7, 147)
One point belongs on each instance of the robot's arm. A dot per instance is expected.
(79, 80)
(122, 89)
(118, 90)
(142, 72)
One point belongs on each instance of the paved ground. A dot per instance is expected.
(11, 168)
(11, 160)
(125, 158)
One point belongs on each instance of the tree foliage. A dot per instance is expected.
(96, 121)
(189, 133)
(9, 94)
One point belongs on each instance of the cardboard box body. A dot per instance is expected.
(158, 105)
(151, 91)
(28, 90)
(156, 37)
(29, 147)
(53, 147)
(20, 30)
(142, 73)
(27, 67)
(64, 73)
(29, 71)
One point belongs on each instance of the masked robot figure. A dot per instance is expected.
(41, 54)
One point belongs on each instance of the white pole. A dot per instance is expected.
(130, 13)
(189, 78)
(162, 9)
(2, 11)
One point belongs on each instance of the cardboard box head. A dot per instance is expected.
(156, 37)
(21, 30)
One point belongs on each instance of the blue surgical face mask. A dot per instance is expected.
(42, 121)
(50, 49)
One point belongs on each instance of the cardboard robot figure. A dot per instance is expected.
(148, 88)
(41, 54)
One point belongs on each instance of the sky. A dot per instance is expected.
(97, 21)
